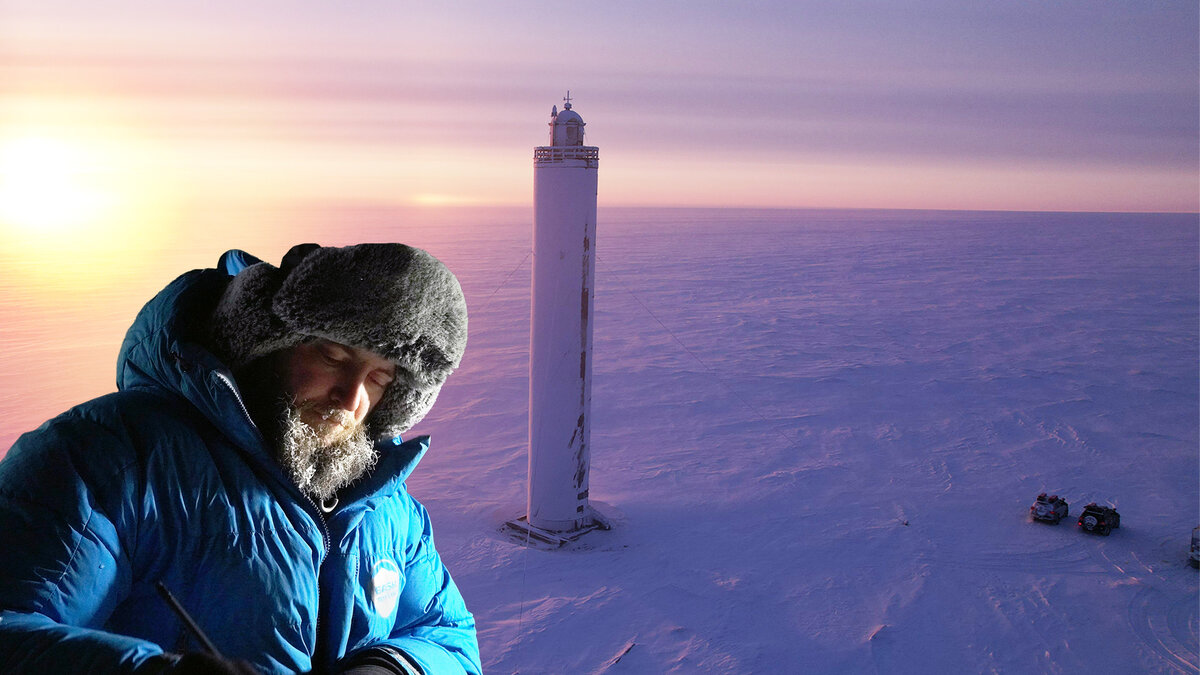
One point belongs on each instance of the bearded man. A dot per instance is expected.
(251, 463)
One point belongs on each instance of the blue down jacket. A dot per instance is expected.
(169, 480)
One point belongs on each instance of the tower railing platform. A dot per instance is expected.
(553, 154)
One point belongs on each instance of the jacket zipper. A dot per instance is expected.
(325, 538)
(236, 396)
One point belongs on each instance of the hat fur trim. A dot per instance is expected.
(395, 300)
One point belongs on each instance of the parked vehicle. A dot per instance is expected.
(1099, 519)
(1049, 509)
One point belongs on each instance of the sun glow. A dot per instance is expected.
(78, 194)
(50, 186)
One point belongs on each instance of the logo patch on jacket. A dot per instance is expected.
(385, 587)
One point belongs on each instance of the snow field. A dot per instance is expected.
(819, 434)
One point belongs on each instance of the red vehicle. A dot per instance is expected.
(1048, 509)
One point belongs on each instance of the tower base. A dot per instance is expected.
(522, 532)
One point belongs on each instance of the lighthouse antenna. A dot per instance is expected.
(567, 101)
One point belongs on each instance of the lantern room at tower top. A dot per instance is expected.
(566, 141)
(566, 127)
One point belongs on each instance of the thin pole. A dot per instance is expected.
(187, 620)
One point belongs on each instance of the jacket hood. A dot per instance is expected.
(161, 352)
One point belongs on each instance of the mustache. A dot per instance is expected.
(328, 414)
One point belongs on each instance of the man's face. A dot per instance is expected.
(334, 386)
(329, 389)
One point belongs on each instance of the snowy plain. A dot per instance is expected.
(818, 434)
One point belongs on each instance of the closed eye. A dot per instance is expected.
(382, 378)
(332, 356)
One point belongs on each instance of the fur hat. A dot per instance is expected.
(394, 300)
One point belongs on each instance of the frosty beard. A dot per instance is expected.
(324, 457)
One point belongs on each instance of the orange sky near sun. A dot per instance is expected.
(146, 114)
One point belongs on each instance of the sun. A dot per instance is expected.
(52, 185)
(79, 193)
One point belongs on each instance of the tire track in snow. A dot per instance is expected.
(1167, 626)
(1066, 558)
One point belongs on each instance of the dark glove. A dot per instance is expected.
(378, 661)
(201, 663)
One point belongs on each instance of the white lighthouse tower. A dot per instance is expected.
(560, 344)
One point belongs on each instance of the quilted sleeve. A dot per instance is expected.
(63, 506)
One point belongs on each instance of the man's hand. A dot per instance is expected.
(378, 661)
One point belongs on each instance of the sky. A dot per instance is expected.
(136, 112)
